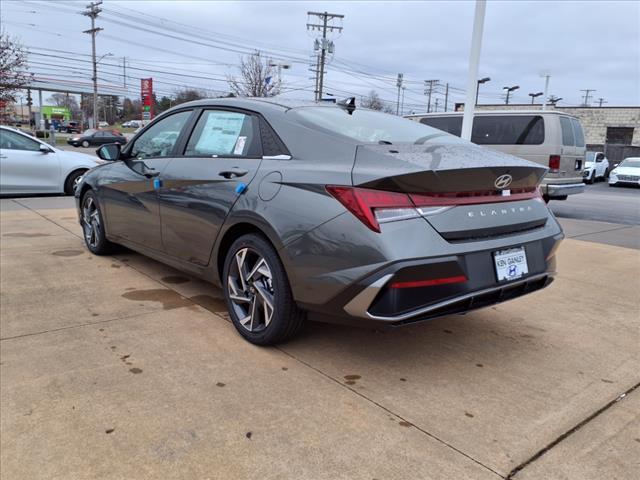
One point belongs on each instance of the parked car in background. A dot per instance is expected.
(30, 166)
(330, 210)
(596, 166)
(69, 127)
(103, 124)
(132, 124)
(97, 137)
(626, 173)
(550, 138)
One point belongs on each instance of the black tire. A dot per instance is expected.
(606, 174)
(85, 144)
(286, 318)
(592, 178)
(70, 182)
(98, 245)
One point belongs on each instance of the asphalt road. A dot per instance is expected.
(601, 203)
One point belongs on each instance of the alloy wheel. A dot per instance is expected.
(250, 288)
(91, 222)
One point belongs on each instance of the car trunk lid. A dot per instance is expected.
(489, 193)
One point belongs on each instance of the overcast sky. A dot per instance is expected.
(582, 44)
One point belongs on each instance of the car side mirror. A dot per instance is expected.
(109, 152)
(45, 149)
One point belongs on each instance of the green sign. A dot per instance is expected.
(51, 111)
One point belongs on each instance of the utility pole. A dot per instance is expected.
(29, 103)
(446, 97)
(124, 71)
(436, 107)
(324, 45)
(601, 101)
(402, 105)
(587, 92)
(93, 9)
(428, 89)
(399, 85)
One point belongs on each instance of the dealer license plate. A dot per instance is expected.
(511, 264)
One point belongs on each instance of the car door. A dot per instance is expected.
(24, 168)
(220, 158)
(129, 192)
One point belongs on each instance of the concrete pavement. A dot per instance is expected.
(121, 367)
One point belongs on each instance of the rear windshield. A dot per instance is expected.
(369, 126)
(495, 130)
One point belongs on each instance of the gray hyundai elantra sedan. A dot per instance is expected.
(322, 211)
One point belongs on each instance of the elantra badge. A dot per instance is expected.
(503, 181)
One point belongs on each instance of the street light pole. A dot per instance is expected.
(509, 90)
(534, 95)
(482, 80)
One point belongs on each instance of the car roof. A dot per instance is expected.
(260, 105)
(493, 112)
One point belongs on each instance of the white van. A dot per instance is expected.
(550, 138)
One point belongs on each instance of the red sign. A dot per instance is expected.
(146, 89)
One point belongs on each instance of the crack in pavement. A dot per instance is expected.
(569, 432)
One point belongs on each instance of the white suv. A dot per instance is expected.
(596, 166)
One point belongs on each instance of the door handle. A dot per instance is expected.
(235, 172)
(150, 173)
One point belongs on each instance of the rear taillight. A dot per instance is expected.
(374, 207)
(554, 163)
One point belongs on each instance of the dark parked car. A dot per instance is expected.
(324, 211)
(69, 127)
(97, 137)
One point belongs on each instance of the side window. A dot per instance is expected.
(577, 132)
(508, 130)
(160, 138)
(452, 125)
(220, 133)
(14, 141)
(568, 139)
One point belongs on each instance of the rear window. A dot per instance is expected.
(568, 139)
(495, 130)
(369, 126)
(577, 132)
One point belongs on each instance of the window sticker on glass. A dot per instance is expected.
(220, 133)
(239, 146)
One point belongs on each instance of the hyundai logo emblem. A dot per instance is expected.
(503, 181)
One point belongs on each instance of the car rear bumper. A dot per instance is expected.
(373, 301)
(562, 189)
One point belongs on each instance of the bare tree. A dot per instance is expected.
(13, 66)
(257, 78)
(187, 95)
(373, 102)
